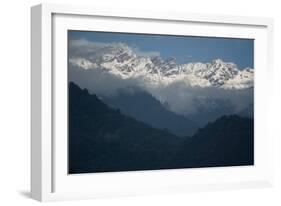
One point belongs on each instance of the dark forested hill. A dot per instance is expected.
(103, 139)
(228, 141)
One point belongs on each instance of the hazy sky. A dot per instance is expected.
(184, 48)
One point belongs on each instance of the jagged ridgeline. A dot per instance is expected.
(191, 94)
(103, 139)
(121, 61)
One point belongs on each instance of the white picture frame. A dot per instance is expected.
(49, 179)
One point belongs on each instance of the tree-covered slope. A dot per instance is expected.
(102, 139)
(228, 141)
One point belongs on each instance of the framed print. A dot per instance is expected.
(134, 102)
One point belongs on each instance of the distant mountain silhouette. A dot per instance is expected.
(144, 107)
(102, 139)
(206, 115)
(248, 112)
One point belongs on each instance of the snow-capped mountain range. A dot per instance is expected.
(122, 61)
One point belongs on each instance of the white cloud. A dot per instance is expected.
(182, 98)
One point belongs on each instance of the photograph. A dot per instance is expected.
(141, 102)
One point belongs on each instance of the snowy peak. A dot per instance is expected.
(120, 60)
(219, 72)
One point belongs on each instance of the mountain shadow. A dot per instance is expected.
(102, 139)
(144, 107)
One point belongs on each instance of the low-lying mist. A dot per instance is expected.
(210, 102)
